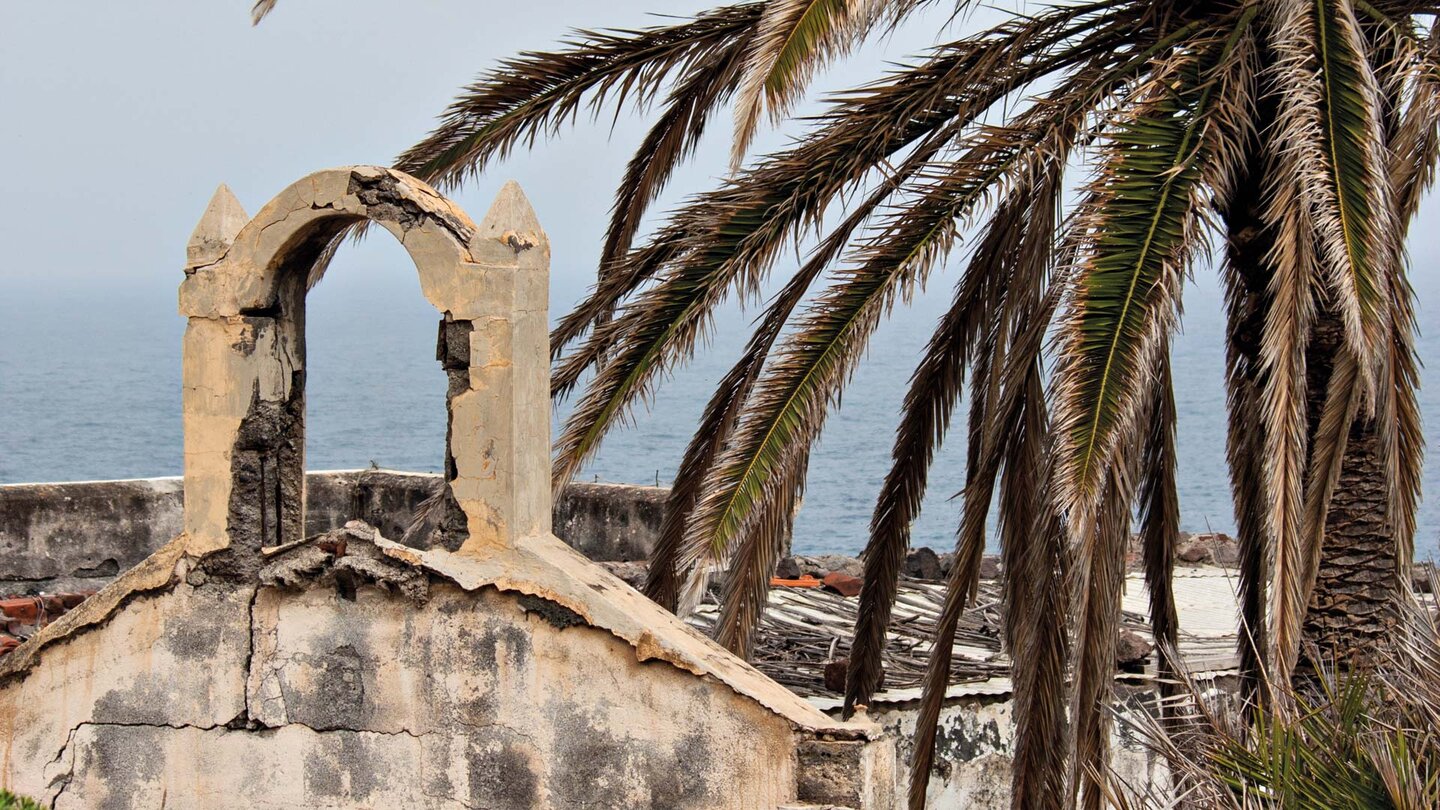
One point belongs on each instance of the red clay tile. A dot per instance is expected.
(21, 616)
(843, 584)
(23, 609)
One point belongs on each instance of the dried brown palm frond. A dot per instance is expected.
(1002, 390)
(1243, 275)
(1096, 574)
(260, 10)
(1037, 612)
(673, 137)
(1160, 523)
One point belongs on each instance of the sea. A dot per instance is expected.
(90, 389)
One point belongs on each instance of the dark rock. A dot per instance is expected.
(632, 573)
(1132, 651)
(922, 563)
(787, 568)
(990, 566)
(1193, 552)
(842, 583)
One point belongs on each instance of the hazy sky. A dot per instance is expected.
(118, 119)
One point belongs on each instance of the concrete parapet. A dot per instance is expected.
(80, 535)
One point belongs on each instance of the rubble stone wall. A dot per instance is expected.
(79, 536)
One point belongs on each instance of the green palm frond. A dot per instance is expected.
(1139, 229)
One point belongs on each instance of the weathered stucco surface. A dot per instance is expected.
(246, 665)
(974, 750)
(222, 696)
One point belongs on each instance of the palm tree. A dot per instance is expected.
(1298, 134)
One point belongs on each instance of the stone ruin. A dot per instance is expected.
(481, 664)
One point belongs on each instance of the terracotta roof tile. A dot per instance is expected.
(22, 616)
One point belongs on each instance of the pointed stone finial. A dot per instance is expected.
(217, 229)
(512, 221)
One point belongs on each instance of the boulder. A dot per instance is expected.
(922, 563)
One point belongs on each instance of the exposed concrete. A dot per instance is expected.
(81, 535)
(66, 537)
(974, 749)
(611, 522)
(244, 665)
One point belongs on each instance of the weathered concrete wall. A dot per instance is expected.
(611, 522)
(469, 700)
(76, 536)
(347, 679)
(80, 535)
(974, 747)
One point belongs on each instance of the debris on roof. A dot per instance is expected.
(22, 616)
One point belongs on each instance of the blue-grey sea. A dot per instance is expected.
(90, 389)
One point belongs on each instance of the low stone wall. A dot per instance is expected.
(79, 535)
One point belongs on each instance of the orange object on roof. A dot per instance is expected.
(805, 581)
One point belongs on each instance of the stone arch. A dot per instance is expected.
(244, 356)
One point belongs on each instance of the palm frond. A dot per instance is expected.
(791, 401)
(536, 93)
(1096, 575)
(1330, 123)
(1140, 226)
(728, 238)
(1011, 247)
(1160, 523)
(1001, 385)
(1032, 536)
(1330, 437)
(793, 37)
(718, 421)
(260, 10)
(1245, 274)
(672, 139)
(1402, 435)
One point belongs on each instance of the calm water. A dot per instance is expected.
(89, 388)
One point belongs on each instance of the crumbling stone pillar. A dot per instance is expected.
(244, 367)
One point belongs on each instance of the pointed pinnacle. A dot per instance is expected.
(217, 229)
(512, 220)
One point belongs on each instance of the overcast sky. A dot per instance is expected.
(118, 119)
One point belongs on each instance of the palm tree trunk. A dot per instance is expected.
(1350, 607)
(1350, 610)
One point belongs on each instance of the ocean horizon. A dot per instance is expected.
(90, 389)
